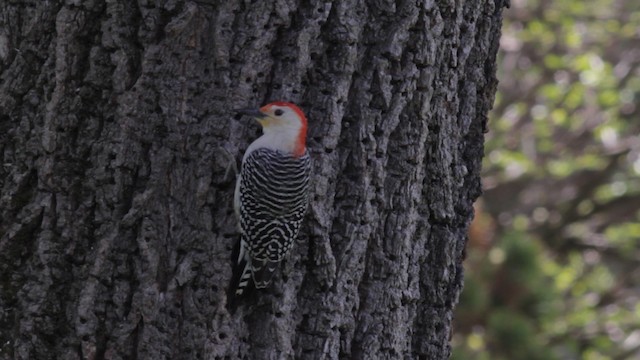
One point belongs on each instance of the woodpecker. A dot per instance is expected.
(271, 193)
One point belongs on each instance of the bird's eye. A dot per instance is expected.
(279, 112)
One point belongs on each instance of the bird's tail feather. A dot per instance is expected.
(263, 273)
(244, 278)
(241, 279)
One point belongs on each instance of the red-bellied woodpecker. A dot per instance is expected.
(271, 192)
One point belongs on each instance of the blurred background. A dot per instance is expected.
(553, 260)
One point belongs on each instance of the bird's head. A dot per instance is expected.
(283, 120)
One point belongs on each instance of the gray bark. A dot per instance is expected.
(116, 221)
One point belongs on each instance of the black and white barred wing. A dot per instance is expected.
(273, 200)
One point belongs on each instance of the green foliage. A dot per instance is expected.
(560, 275)
(515, 334)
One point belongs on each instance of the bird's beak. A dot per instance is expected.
(255, 113)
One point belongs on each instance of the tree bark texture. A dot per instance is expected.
(117, 134)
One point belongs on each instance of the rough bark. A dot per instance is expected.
(116, 225)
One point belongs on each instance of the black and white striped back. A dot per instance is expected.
(273, 200)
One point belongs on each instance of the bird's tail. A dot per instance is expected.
(263, 273)
(241, 278)
(244, 272)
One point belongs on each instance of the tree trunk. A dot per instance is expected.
(117, 131)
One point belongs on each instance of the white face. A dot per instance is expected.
(284, 128)
(279, 117)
